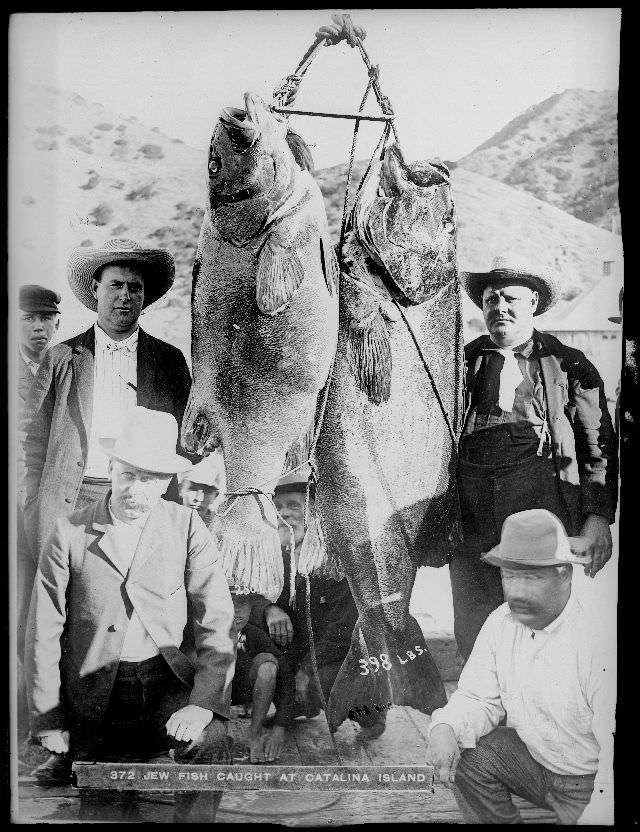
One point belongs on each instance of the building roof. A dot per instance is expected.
(590, 311)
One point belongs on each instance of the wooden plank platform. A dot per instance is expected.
(309, 743)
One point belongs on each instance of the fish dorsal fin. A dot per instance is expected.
(279, 276)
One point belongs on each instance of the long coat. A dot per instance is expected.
(59, 410)
(583, 441)
(82, 602)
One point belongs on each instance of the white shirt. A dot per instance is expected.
(115, 379)
(32, 365)
(557, 687)
(138, 644)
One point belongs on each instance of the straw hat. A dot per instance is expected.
(535, 538)
(159, 268)
(147, 440)
(506, 268)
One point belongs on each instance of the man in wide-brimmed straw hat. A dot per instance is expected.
(107, 674)
(536, 434)
(546, 665)
(87, 384)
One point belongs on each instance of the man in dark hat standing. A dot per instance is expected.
(537, 434)
(87, 384)
(39, 319)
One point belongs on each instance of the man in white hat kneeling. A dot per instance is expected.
(543, 662)
(107, 675)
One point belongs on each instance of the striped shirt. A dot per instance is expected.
(115, 380)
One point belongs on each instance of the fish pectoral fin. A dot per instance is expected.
(369, 349)
(330, 267)
(279, 276)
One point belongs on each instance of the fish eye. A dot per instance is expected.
(215, 165)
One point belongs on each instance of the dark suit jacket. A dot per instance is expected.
(25, 383)
(583, 441)
(81, 604)
(59, 410)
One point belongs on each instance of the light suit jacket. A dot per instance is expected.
(82, 602)
(59, 410)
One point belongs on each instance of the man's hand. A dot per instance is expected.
(56, 741)
(443, 754)
(596, 529)
(188, 723)
(279, 624)
(302, 686)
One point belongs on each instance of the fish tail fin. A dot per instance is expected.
(245, 529)
(379, 669)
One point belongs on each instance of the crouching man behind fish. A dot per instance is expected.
(543, 661)
(107, 678)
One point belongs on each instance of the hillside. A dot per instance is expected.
(563, 150)
(81, 174)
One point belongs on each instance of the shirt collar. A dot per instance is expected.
(32, 365)
(524, 349)
(103, 341)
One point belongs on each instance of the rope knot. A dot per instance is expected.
(374, 74)
(287, 90)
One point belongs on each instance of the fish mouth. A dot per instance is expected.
(242, 131)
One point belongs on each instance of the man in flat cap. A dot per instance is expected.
(87, 385)
(537, 434)
(534, 711)
(39, 319)
(107, 668)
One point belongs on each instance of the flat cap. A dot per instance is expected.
(34, 298)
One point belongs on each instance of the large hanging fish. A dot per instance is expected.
(264, 329)
(386, 453)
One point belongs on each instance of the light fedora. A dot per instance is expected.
(534, 538)
(209, 472)
(83, 262)
(507, 268)
(147, 440)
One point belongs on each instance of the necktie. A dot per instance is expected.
(509, 376)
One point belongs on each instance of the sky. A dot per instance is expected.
(454, 76)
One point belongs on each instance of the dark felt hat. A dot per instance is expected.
(506, 268)
(34, 298)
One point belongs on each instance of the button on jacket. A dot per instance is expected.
(60, 405)
(82, 604)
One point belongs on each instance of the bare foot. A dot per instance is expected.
(274, 742)
(256, 748)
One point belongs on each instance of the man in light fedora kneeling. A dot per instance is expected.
(107, 675)
(536, 434)
(544, 663)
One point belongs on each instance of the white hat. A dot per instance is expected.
(209, 472)
(83, 262)
(534, 538)
(507, 268)
(147, 440)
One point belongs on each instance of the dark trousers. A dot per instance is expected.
(145, 694)
(488, 495)
(500, 766)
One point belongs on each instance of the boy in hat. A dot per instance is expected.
(262, 676)
(536, 434)
(543, 662)
(87, 385)
(106, 673)
(333, 614)
(202, 486)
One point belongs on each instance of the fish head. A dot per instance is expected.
(397, 176)
(249, 157)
